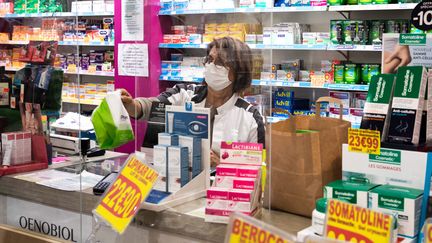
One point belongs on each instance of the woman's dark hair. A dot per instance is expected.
(236, 56)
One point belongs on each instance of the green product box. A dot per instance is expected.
(337, 32)
(362, 33)
(364, 2)
(414, 30)
(374, 69)
(407, 106)
(32, 6)
(378, 28)
(336, 2)
(352, 73)
(365, 74)
(352, 2)
(350, 30)
(339, 71)
(401, 201)
(20, 6)
(355, 192)
(377, 107)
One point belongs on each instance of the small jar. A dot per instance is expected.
(318, 216)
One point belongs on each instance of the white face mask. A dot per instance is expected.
(216, 76)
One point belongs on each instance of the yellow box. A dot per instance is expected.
(207, 38)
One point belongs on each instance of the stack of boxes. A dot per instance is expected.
(181, 67)
(237, 186)
(16, 148)
(182, 34)
(402, 202)
(6, 7)
(352, 73)
(177, 158)
(353, 104)
(284, 100)
(316, 38)
(284, 34)
(102, 60)
(92, 6)
(234, 30)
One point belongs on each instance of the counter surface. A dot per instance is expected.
(185, 219)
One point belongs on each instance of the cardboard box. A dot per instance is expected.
(349, 191)
(407, 105)
(403, 202)
(377, 108)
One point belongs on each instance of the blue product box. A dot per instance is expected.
(194, 147)
(166, 5)
(177, 57)
(282, 3)
(180, 4)
(283, 104)
(178, 167)
(283, 94)
(168, 139)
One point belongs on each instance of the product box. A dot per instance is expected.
(241, 153)
(376, 110)
(4, 94)
(194, 148)
(339, 73)
(160, 163)
(352, 73)
(178, 167)
(359, 99)
(16, 148)
(334, 112)
(355, 192)
(401, 201)
(282, 94)
(241, 200)
(355, 117)
(309, 38)
(407, 105)
(168, 139)
(345, 97)
(235, 176)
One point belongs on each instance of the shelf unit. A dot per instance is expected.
(63, 43)
(81, 101)
(342, 8)
(80, 72)
(59, 14)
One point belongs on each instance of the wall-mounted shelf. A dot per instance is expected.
(63, 43)
(341, 8)
(81, 72)
(181, 79)
(81, 101)
(279, 83)
(59, 14)
(320, 47)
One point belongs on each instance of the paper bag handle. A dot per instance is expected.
(329, 100)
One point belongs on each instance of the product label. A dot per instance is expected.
(349, 222)
(412, 39)
(242, 229)
(123, 199)
(392, 203)
(241, 153)
(364, 141)
(346, 195)
(387, 157)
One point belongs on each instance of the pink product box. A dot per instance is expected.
(248, 171)
(240, 206)
(318, 2)
(226, 170)
(244, 183)
(241, 153)
(218, 193)
(217, 204)
(225, 213)
(238, 195)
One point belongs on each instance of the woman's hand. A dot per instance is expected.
(401, 56)
(214, 158)
(132, 106)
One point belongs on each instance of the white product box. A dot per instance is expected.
(335, 113)
(345, 97)
(82, 6)
(99, 6)
(109, 6)
(355, 117)
(284, 36)
(168, 139)
(403, 202)
(194, 148)
(268, 35)
(160, 158)
(246, 3)
(16, 148)
(350, 191)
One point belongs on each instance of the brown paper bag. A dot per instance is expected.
(300, 164)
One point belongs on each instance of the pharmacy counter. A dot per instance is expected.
(185, 221)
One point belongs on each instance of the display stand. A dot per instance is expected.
(196, 188)
(39, 158)
(396, 167)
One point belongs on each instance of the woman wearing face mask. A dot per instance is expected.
(228, 72)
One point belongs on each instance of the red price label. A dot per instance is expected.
(364, 141)
(123, 199)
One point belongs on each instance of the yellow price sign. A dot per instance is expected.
(92, 69)
(364, 141)
(123, 199)
(245, 229)
(351, 223)
(72, 68)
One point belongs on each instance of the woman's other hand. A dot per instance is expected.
(132, 106)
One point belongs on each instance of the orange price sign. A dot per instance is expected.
(92, 69)
(245, 229)
(123, 199)
(351, 223)
(72, 68)
(364, 141)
